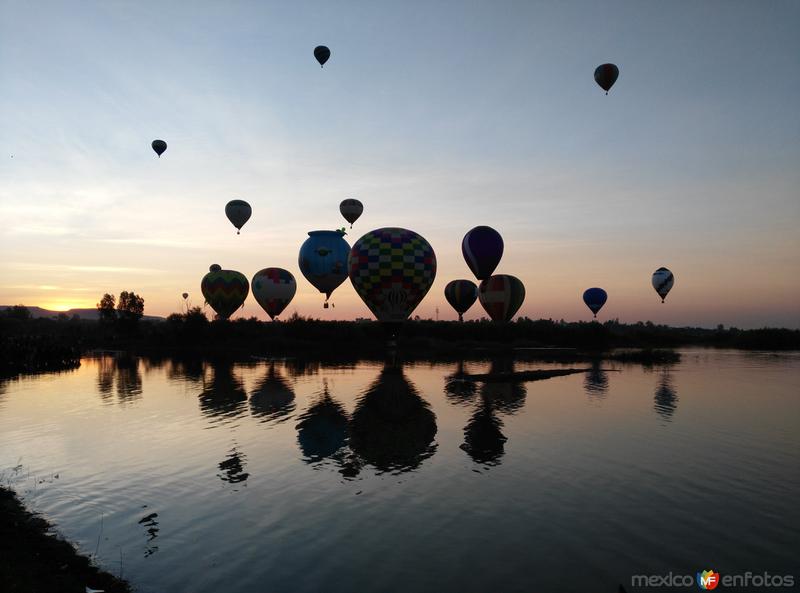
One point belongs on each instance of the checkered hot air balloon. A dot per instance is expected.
(273, 289)
(461, 294)
(392, 269)
(224, 291)
(501, 296)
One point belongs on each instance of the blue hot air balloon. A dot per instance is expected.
(482, 248)
(323, 260)
(595, 298)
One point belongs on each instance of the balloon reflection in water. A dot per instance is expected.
(322, 430)
(273, 398)
(507, 397)
(483, 440)
(232, 467)
(224, 397)
(458, 387)
(596, 381)
(392, 427)
(666, 398)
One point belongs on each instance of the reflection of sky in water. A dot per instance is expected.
(374, 476)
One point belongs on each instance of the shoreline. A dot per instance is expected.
(34, 558)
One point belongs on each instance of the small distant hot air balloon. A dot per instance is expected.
(461, 294)
(606, 75)
(224, 290)
(323, 260)
(662, 282)
(322, 53)
(482, 248)
(501, 296)
(392, 270)
(238, 212)
(351, 209)
(214, 268)
(595, 298)
(185, 295)
(159, 146)
(274, 289)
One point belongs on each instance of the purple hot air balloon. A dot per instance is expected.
(482, 248)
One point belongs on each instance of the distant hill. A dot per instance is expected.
(90, 314)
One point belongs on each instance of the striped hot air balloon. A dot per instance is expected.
(663, 280)
(501, 296)
(461, 294)
(225, 291)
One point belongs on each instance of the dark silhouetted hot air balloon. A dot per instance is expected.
(214, 268)
(606, 75)
(159, 146)
(323, 260)
(322, 53)
(501, 296)
(224, 290)
(185, 295)
(238, 212)
(274, 289)
(482, 248)
(595, 298)
(392, 269)
(461, 294)
(662, 282)
(351, 209)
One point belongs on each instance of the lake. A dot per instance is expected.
(292, 475)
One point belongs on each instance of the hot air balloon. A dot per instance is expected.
(461, 294)
(214, 268)
(392, 270)
(595, 298)
(238, 212)
(322, 54)
(482, 248)
(224, 290)
(662, 282)
(274, 289)
(606, 75)
(501, 296)
(159, 146)
(185, 295)
(323, 260)
(351, 209)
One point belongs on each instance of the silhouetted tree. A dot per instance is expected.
(106, 308)
(20, 312)
(130, 306)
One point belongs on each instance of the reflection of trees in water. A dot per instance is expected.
(392, 427)
(596, 381)
(299, 367)
(507, 397)
(150, 523)
(666, 398)
(458, 388)
(190, 370)
(232, 467)
(322, 430)
(122, 372)
(223, 397)
(273, 397)
(483, 439)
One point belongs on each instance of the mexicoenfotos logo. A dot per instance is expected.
(708, 579)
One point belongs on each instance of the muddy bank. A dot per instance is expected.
(32, 560)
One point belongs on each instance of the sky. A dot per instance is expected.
(438, 116)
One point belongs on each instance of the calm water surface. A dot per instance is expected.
(290, 476)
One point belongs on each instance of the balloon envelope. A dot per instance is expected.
(662, 282)
(185, 295)
(274, 289)
(392, 270)
(238, 212)
(606, 75)
(323, 260)
(461, 294)
(482, 248)
(225, 291)
(322, 54)
(159, 146)
(595, 298)
(501, 296)
(351, 209)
